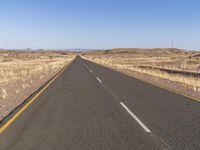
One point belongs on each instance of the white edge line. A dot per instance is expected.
(136, 118)
(91, 71)
(99, 80)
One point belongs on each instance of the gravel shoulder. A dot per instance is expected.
(174, 86)
(21, 78)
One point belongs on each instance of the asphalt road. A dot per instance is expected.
(90, 107)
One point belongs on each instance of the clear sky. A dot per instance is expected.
(99, 23)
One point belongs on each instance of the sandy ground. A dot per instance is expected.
(158, 81)
(130, 61)
(17, 85)
(162, 82)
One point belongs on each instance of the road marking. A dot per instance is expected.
(136, 118)
(32, 100)
(125, 107)
(99, 80)
(148, 82)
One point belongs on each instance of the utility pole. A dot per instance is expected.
(172, 43)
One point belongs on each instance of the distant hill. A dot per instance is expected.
(139, 51)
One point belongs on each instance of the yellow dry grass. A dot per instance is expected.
(150, 61)
(21, 69)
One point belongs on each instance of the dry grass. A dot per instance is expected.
(21, 73)
(180, 65)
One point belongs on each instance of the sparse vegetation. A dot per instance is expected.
(21, 73)
(180, 66)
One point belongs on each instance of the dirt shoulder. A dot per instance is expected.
(24, 73)
(177, 70)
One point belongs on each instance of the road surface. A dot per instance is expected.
(90, 107)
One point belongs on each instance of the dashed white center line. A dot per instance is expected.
(136, 118)
(123, 105)
(99, 80)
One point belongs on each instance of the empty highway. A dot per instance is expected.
(91, 107)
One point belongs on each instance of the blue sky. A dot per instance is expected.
(99, 24)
